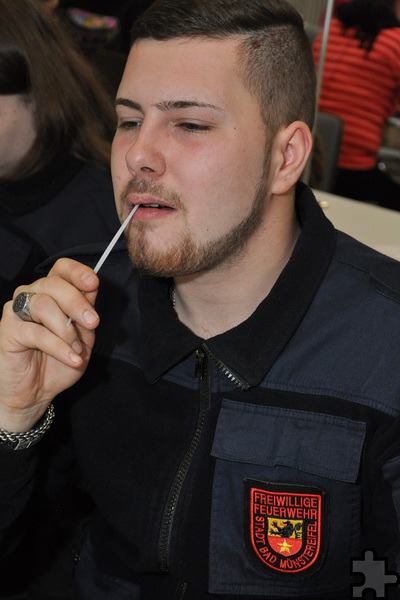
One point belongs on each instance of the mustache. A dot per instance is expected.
(152, 188)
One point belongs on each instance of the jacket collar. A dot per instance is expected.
(250, 349)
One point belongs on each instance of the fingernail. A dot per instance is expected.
(89, 317)
(76, 347)
(89, 280)
(75, 358)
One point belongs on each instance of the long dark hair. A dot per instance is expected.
(38, 60)
(368, 18)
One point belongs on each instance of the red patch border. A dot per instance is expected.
(314, 564)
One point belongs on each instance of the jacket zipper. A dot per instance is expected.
(202, 374)
(180, 590)
(233, 377)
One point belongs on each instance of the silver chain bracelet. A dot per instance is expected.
(20, 441)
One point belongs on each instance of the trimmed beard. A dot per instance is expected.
(186, 257)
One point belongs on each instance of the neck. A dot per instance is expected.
(213, 302)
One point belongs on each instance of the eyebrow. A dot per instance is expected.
(127, 103)
(167, 105)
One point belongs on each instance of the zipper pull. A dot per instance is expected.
(200, 367)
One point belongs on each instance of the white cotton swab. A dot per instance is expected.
(114, 240)
(111, 245)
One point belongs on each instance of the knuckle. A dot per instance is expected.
(7, 308)
(61, 264)
(40, 303)
(50, 283)
(19, 289)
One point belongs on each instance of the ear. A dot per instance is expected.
(290, 150)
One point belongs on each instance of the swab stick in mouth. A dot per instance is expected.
(111, 245)
(114, 240)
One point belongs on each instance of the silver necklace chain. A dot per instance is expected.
(172, 295)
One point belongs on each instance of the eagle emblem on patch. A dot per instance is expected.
(286, 527)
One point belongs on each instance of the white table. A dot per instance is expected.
(377, 227)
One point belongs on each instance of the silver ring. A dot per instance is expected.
(21, 306)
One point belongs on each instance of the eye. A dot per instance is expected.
(129, 125)
(195, 127)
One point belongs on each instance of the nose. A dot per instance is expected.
(144, 156)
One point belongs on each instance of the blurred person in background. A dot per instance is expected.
(56, 127)
(336, 5)
(361, 84)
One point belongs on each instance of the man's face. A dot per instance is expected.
(190, 147)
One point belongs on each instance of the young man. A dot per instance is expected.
(237, 425)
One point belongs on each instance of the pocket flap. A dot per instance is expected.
(321, 444)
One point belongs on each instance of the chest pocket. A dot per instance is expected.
(286, 506)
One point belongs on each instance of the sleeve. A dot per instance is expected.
(17, 470)
(45, 512)
(391, 473)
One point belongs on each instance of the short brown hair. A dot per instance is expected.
(275, 52)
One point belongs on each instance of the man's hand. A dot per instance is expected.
(41, 359)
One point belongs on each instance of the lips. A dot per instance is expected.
(146, 200)
(148, 210)
(149, 203)
(154, 205)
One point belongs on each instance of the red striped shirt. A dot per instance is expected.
(362, 88)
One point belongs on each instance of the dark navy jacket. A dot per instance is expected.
(255, 464)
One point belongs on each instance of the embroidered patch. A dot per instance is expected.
(286, 527)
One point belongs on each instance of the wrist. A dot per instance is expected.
(18, 420)
(24, 439)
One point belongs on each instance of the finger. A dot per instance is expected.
(84, 279)
(66, 305)
(75, 273)
(79, 275)
(56, 299)
(53, 339)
